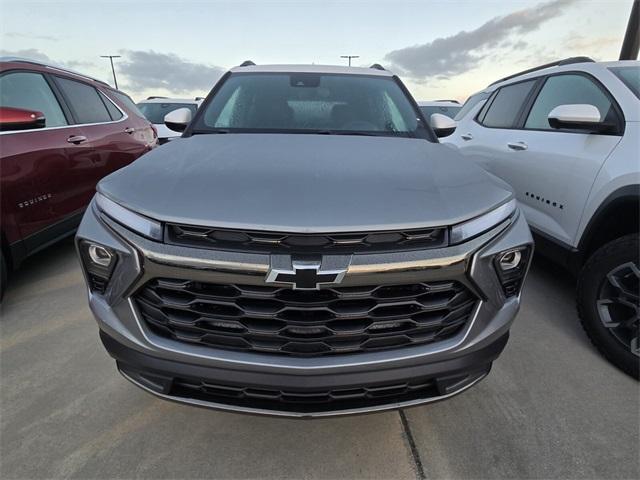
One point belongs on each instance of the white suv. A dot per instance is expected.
(566, 136)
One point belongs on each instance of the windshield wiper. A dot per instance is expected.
(211, 130)
(346, 132)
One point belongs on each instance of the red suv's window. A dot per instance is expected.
(115, 113)
(85, 101)
(32, 92)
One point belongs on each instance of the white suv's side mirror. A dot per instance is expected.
(577, 117)
(442, 125)
(178, 119)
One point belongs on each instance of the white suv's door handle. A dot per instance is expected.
(466, 136)
(517, 145)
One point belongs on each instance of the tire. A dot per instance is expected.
(3, 275)
(608, 302)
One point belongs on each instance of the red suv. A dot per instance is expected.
(60, 133)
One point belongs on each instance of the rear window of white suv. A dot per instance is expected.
(506, 105)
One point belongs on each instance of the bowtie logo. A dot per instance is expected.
(305, 276)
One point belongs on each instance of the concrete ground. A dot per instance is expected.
(551, 407)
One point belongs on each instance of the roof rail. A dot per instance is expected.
(557, 63)
(53, 67)
(199, 98)
(153, 97)
(247, 63)
(377, 66)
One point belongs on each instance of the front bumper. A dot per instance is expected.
(300, 395)
(278, 385)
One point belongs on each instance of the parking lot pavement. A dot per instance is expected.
(552, 407)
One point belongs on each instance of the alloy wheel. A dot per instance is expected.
(619, 305)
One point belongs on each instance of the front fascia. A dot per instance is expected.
(469, 263)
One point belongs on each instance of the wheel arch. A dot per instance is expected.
(617, 215)
(6, 250)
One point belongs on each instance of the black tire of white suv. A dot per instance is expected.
(608, 301)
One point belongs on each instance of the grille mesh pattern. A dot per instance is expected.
(274, 242)
(323, 396)
(317, 400)
(305, 323)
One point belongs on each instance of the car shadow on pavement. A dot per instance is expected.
(44, 269)
(550, 293)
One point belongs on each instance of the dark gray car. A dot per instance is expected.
(307, 248)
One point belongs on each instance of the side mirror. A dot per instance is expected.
(178, 119)
(442, 125)
(20, 119)
(579, 116)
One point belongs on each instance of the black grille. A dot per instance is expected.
(274, 242)
(301, 401)
(305, 323)
(307, 400)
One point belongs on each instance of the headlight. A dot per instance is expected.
(138, 223)
(472, 228)
(511, 266)
(99, 262)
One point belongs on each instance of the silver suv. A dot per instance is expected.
(307, 248)
(566, 137)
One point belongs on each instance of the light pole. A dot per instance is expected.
(349, 57)
(631, 42)
(113, 70)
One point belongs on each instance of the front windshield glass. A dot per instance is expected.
(155, 112)
(310, 103)
(471, 102)
(630, 76)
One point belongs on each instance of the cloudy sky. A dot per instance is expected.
(441, 49)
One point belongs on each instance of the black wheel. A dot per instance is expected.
(3, 275)
(608, 302)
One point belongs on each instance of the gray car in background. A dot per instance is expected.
(307, 248)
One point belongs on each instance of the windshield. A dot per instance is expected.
(448, 111)
(471, 102)
(155, 112)
(630, 76)
(310, 103)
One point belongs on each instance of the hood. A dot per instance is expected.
(305, 183)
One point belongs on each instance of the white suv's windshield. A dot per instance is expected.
(471, 102)
(310, 103)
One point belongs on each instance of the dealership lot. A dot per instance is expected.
(551, 407)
